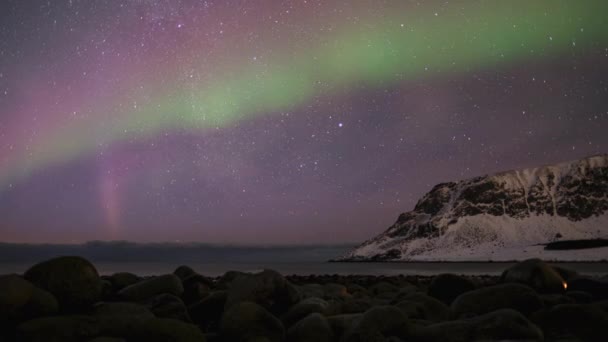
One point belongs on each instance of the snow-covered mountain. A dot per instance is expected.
(505, 216)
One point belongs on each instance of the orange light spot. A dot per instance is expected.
(565, 285)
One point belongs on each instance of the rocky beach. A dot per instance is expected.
(65, 299)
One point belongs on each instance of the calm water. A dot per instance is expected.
(148, 259)
(304, 268)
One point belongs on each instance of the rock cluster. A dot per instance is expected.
(64, 299)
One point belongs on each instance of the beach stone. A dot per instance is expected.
(168, 306)
(536, 274)
(73, 281)
(121, 309)
(580, 297)
(335, 291)
(312, 328)
(21, 300)
(268, 289)
(311, 290)
(504, 324)
(245, 321)
(183, 272)
(446, 287)
(598, 288)
(565, 273)
(142, 290)
(196, 287)
(378, 324)
(573, 321)
(120, 280)
(59, 328)
(383, 287)
(107, 339)
(227, 278)
(553, 299)
(504, 296)
(341, 323)
(152, 329)
(302, 309)
(348, 306)
(208, 311)
(421, 306)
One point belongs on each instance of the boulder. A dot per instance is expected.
(74, 281)
(421, 306)
(573, 321)
(145, 289)
(183, 272)
(121, 309)
(152, 329)
(504, 296)
(536, 274)
(196, 287)
(302, 309)
(378, 324)
(446, 287)
(21, 300)
(312, 328)
(505, 324)
(208, 311)
(121, 280)
(59, 329)
(245, 321)
(341, 323)
(596, 287)
(168, 306)
(268, 289)
(348, 306)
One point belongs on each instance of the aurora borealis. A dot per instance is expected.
(280, 122)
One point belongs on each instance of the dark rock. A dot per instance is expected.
(569, 321)
(566, 274)
(312, 328)
(208, 311)
(59, 328)
(121, 309)
(168, 283)
(446, 287)
(341, 323)
(335, 291)
(302, 309)
(107, 339)
(155, 330)
(196, 287)
(378, 324)
(421, 306)
(504, 296)
(550, 300)
(505, 324)
(268, 289)
(580, 297)
(536, 274)
(245, 321)
(598, 288)
(121, 280)
(183, 272)
(74, 281)
(168, 306)
(349, 306)
(21, 300)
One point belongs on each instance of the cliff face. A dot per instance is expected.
(501, 216)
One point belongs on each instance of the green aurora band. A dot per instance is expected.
(493, 33)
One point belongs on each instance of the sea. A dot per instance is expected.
(213, 260)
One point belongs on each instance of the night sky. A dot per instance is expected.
(280, 122)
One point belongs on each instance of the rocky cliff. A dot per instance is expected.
(505, 216)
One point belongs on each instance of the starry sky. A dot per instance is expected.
(280, 122)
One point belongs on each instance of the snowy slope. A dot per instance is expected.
(502, 217)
